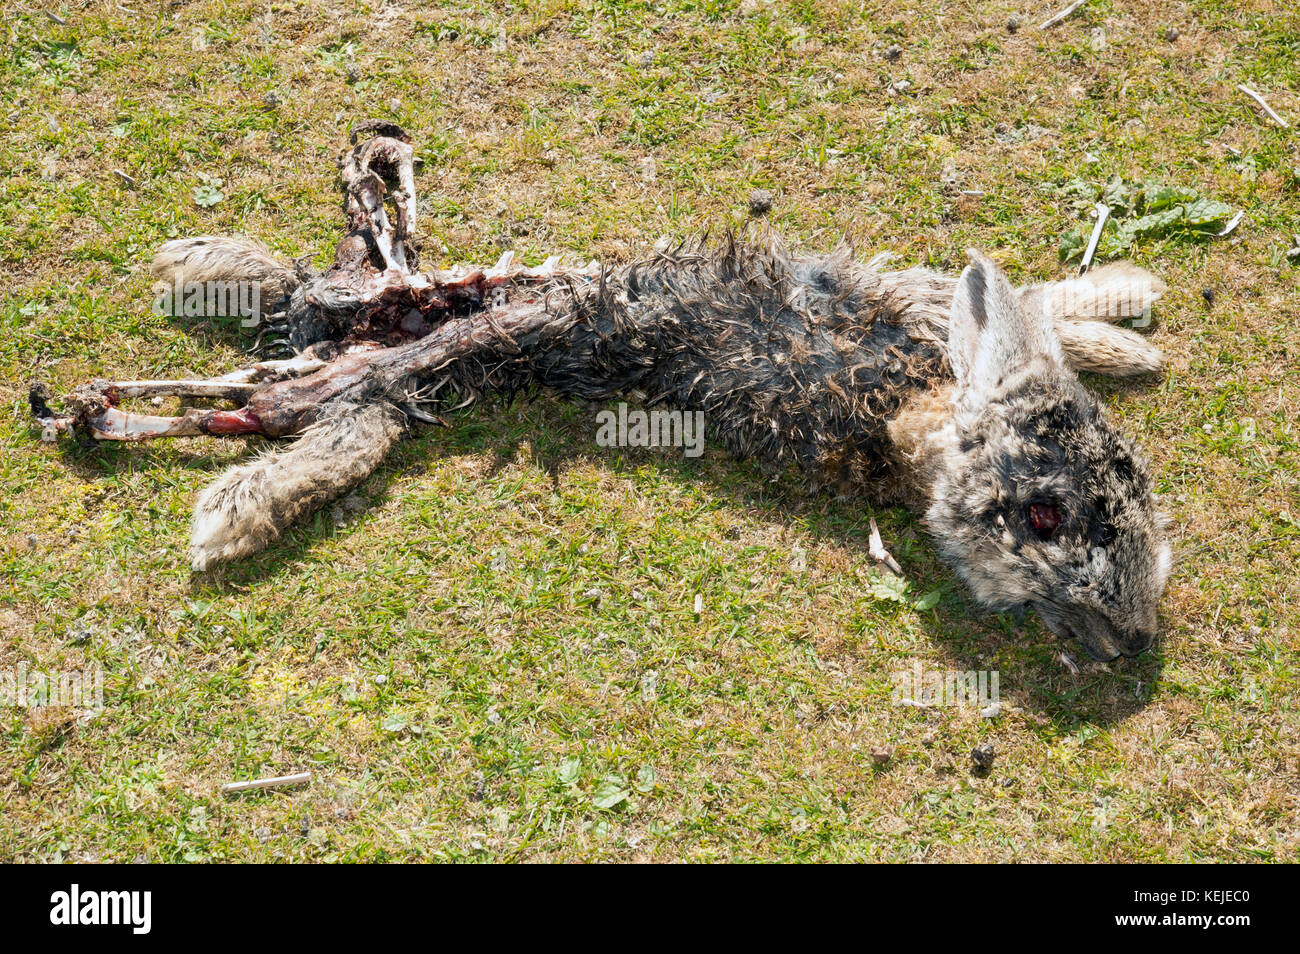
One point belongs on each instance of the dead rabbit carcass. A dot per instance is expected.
(956, 396)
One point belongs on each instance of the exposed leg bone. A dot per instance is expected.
(92, 412)
(284, 406)
(236, 386)
(93, 407)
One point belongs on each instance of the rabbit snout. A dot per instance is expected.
(1097, 635)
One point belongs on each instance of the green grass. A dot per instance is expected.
(498, 658)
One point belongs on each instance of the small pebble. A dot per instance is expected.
(1171, 34)
(893, 52)
(1208, 294)
(983, 755)
(1013, 24)
(882, 754)
(760, 202)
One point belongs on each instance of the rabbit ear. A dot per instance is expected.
(990, 334)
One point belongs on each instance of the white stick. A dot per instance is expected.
(1263, 105)
(1048, 24)
(1103, 213)
(876, 547)
(282, 781)
(1236, 220)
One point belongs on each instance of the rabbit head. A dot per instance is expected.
(1038, 500)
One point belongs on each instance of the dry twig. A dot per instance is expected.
(1053, 21)
(1263, 105)
(280, 781)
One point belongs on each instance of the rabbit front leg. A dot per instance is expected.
(1082, 312)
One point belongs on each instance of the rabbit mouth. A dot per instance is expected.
(1098, 649)
(1098, 645)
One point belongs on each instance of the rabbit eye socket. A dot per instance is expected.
(1045, 518)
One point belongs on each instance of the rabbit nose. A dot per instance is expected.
(1137, 641)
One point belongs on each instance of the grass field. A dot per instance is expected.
(492, 651)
